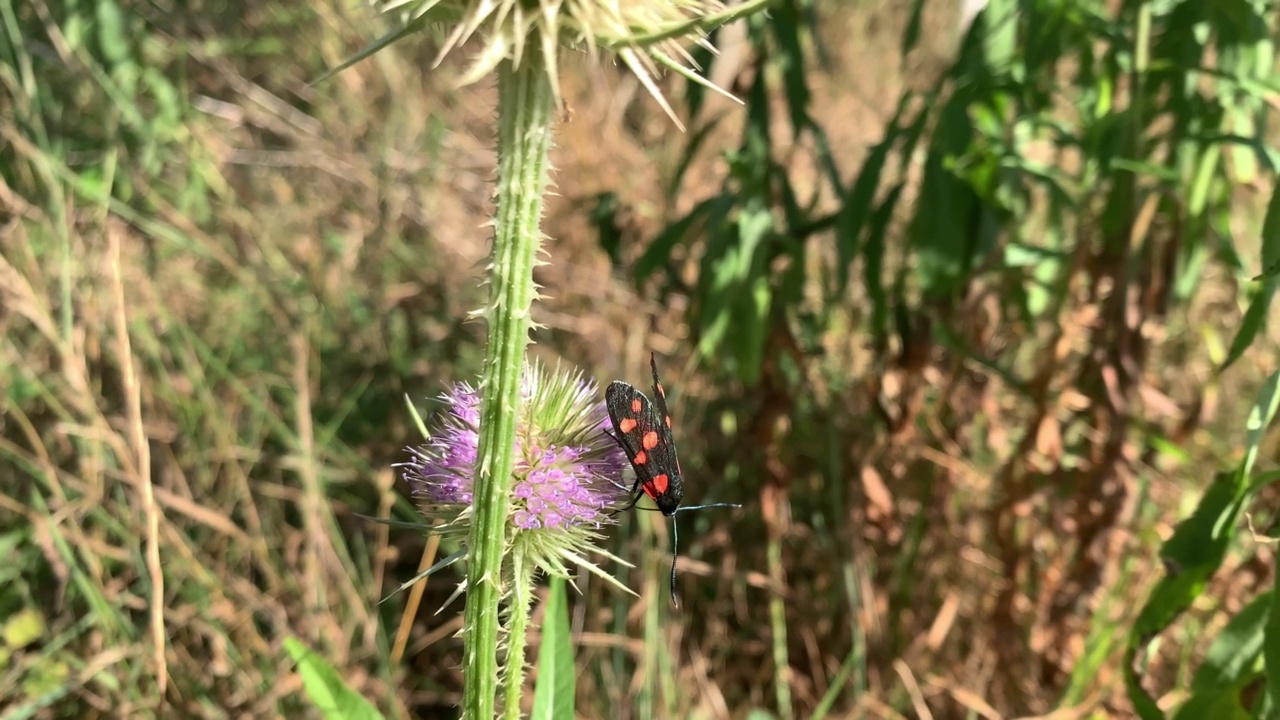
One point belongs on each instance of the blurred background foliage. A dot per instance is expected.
(971, 316)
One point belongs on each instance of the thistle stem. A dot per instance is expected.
(517, 630)
(524, 142)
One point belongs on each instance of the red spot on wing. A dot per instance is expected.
(641, 458)
(657, 485)
(650, 440)
(668, 419)
(626, 425)
(661, 390)
(636, 405)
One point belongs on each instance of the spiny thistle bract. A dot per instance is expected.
(642, 33)
(567, 473)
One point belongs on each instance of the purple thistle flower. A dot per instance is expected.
(567, 472)
(566, 476)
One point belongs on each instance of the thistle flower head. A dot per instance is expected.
(642, 33)
(564, 482)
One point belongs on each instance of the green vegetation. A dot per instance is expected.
(974, 324)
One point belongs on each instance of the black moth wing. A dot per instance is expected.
(664, 431)
(657, 471)
(619, 398)
(660, 398)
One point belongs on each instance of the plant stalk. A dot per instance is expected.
(521, 601)
(524, 143)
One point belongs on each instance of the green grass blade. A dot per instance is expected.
(325, 688)
(554, 691)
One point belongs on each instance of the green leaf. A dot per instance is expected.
(714, 279)
(755, 323)
(911, 35)
(1197, 546)
(754, 224)
(1260, 417)
(1000, 37)
(787, 26)
(554, 690)
(856, 209)
(1191, 556)
(739, 297)
(1253, 322)
(1195, 552)
(604, 216)
(325, 688)
(690, 153)
(1231, 658)
(1271, 237)
(712, 211)
(874, 254)
(111, 32)
(1223, 704)
(838, 684)
(1271, 649)
(1259, 420)
(942, 233)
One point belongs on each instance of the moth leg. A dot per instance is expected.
(635, 487)
(635, 498)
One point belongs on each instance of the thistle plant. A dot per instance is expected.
(521, 40)
(564, 482)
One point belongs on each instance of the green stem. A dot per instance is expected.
(778, 618)
(521, 601)
(524, 143)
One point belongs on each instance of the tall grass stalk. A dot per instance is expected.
(778, 622)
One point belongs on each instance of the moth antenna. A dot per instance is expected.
(704, 507)
(675, 542)
(675, 553)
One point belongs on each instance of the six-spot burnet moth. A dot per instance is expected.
(644, 432)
